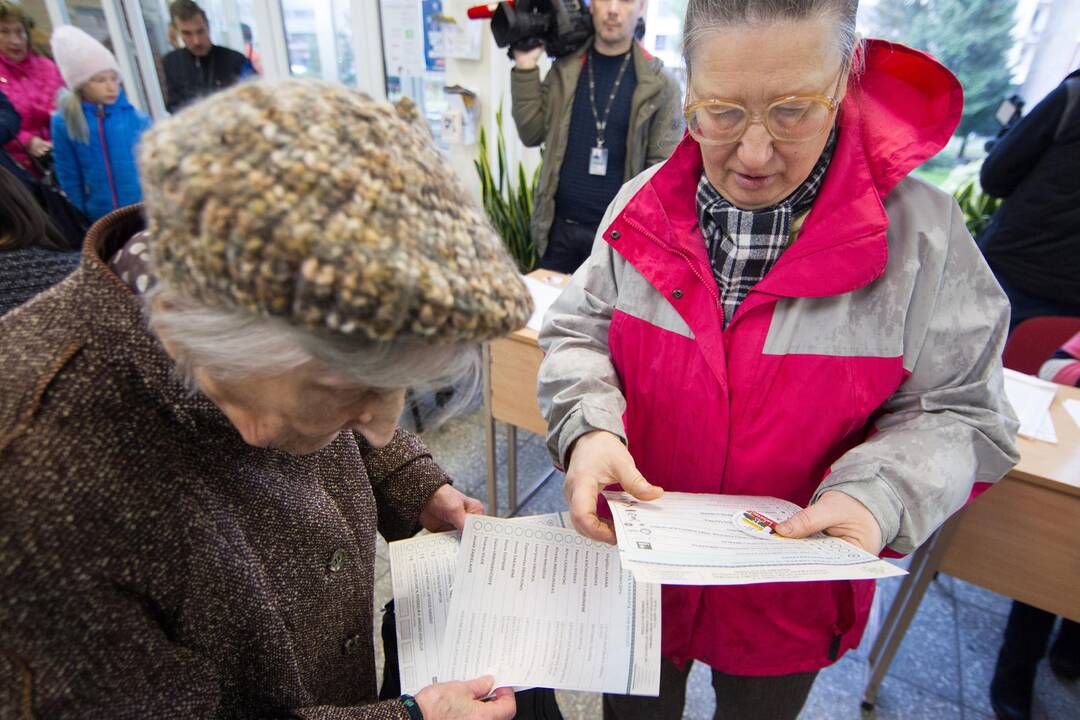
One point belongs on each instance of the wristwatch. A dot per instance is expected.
(411, 707)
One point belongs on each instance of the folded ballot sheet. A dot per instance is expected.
(527, 600)
(1031, 398)
(702, 539)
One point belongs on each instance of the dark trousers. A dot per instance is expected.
(569, 245)
(1028, 633)
(776, 698)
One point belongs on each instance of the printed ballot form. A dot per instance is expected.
(1031, 398)
(544, 606)
(422, 572)
(701, 539)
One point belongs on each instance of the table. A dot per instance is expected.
(510, 367)
(1018, 539)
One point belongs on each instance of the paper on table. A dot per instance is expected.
(544, 296)
(698, 539)
(547, 607)
(1073, 408)
(422, 572)
(1031, 398)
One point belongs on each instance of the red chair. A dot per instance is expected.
(1033, 341)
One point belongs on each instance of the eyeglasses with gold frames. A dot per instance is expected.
(793, 118)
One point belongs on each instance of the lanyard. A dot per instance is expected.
(601, 125)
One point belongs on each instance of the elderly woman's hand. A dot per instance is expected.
(599, 459)
(465, 700)
(446, 510)
(839, 515)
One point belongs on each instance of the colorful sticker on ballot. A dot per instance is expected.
(754, 523)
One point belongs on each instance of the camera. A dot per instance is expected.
(561, 26)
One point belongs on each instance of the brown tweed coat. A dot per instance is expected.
(153, 565)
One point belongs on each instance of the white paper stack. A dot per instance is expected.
(532, 603)
(1031, 398)
(703, 539)
(544, 296)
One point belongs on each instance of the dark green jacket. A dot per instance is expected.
(542, 110)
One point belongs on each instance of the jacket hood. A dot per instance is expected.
(900, 111)
(909, 105)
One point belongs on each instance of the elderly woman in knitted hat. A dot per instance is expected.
(95, 129)
(189, 508)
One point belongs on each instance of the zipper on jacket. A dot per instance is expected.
(834, 646)
(689, 259)
(105, 150)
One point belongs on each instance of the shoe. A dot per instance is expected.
(1011, 691)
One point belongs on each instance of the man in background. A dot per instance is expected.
(200, 67)
(1032, 242)
(604, 114)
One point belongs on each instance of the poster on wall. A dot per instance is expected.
(434, 56)
(403, 37)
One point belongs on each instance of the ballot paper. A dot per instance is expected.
(547, 607)
(699, 539)
(1031, 399)
(422, 572)
(544, 296)
(1073, 408)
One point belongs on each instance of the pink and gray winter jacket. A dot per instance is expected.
(31, 86)
(868, 361)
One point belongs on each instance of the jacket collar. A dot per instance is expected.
(20, 69)
(122, 103)
(897, 114)
(123, 322)
(647, 69)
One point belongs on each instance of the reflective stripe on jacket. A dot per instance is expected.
(867, 361)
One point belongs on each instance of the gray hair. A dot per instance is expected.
(229, 343)
(706, 16)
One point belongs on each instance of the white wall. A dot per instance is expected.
(489, 78)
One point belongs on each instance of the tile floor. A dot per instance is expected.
(942, 670)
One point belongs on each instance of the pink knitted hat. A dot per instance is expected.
(79, 56)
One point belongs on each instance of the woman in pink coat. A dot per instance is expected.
(30, 81)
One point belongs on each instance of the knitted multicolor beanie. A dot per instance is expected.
(313, 203)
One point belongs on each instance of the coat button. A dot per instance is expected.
(352, 645)
(677, 293)
(337, 561)
(615, 234)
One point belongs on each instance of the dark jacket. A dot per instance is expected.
(1033, 240)
(27, 271)
(542, 113)
(9, 130)
(152, 564)
(100, 175)
(184, 74)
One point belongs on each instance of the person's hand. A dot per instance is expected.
(446, 510)
(599, 459)
(38, 147)
(451, 700)
(839, 515)
(527, 59)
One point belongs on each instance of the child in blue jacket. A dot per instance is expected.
(95, 128)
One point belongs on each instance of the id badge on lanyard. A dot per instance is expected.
(598, 161)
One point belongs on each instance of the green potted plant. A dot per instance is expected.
(508, 205)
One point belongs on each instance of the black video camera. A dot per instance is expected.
(561, 26)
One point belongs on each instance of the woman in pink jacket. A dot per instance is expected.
(30, 81)
(778, 309)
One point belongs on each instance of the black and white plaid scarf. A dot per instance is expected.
(743, 245)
